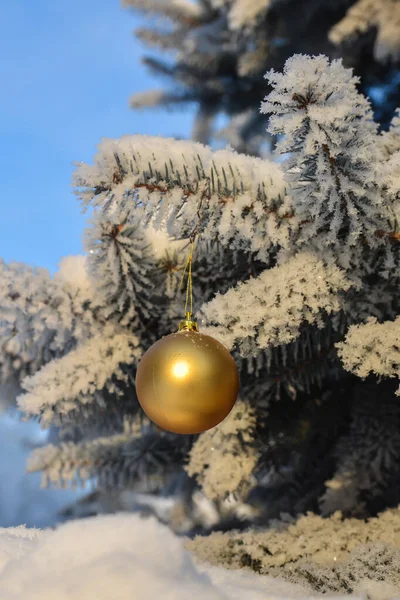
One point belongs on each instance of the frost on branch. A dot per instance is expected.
(333, 164)
(270, 309)
(121, 268)
(41, 317)
(77, 380)
(372, 348)
(143, 463)
(223, 459)
(367, 15)
(325, 555)
(164, 182)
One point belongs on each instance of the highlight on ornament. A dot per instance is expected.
(180, 369)
(187, 382)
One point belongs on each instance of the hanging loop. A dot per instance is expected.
(188, 324)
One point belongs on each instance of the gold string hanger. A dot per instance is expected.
(188, 324)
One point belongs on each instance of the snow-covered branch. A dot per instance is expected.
(78, 378)
(372, 348)
(270, 309)
(121, 267)
(366, 15)
(41, 317)
(182, 185)
(143, 463)
(333, 168)
(223, 459)
(287, 254)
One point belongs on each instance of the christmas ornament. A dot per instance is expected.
(187, 382)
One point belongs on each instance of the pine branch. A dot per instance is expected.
(325, 555)
(121, 266)
(306, 363)
(366, 15)
(41, 317)
(221, 53)
(372, 348)
(222, 459)
(80, 377)
(241, 198)
(333, 167)
(142, 464)
(269, 310)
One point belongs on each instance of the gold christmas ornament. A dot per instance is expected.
(187, 382)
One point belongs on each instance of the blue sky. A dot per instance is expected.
(67, 70)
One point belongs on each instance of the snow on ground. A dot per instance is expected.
(119, 557)
(15, 542)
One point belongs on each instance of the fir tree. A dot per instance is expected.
(214, 53)
(296, 272)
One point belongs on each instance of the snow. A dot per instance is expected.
(119, 557)
(15, 542)
(161, 243)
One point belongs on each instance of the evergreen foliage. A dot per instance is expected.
(214, 53)
(324, 555)
(296, 271)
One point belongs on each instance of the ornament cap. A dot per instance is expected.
(188, 324)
